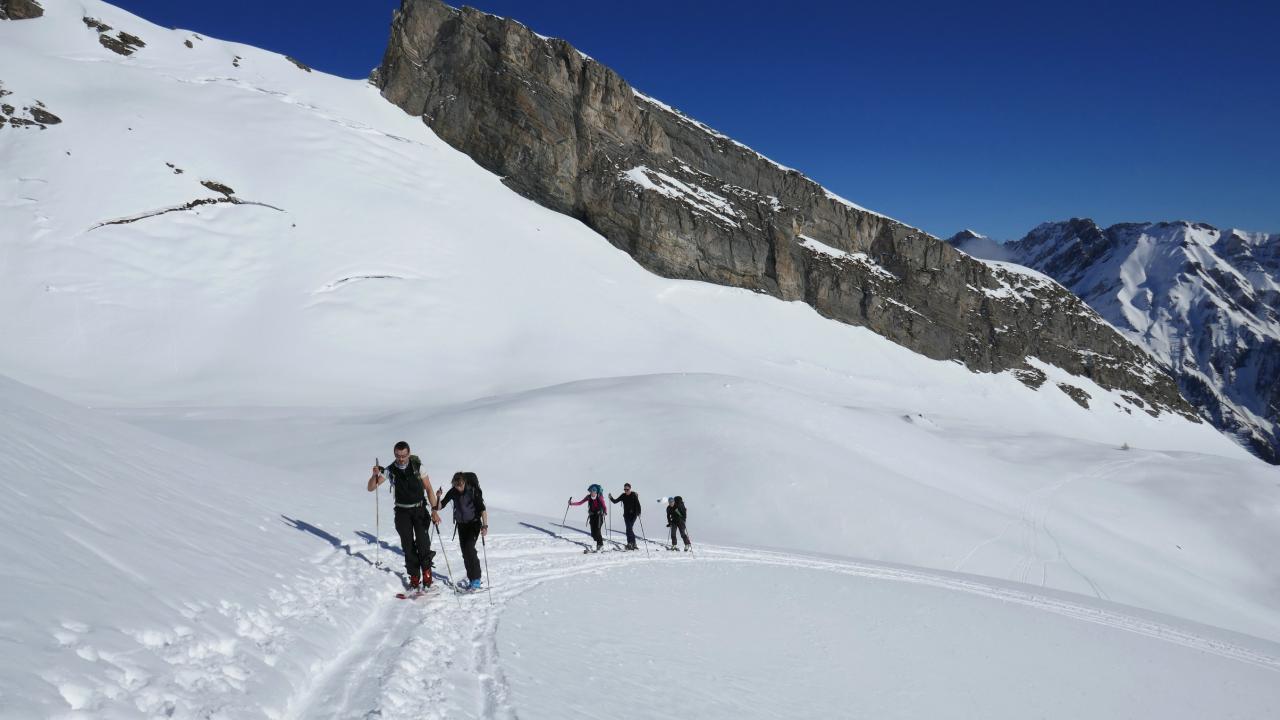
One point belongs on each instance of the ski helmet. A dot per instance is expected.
(595, 489)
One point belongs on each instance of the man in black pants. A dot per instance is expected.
(630, 511)
(413, 498)
(472, 521)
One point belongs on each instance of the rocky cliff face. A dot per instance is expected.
(1203, 301)
(20, 9)
(688, 202)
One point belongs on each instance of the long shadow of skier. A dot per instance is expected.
(383, 543)
(400, 551)
(556, 535)
(338, 544)
(330, 538)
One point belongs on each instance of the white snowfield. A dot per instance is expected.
(198, 544)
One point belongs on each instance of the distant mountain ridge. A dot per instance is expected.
(688, 202)
(1204, 302)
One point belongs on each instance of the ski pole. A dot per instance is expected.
(488, 578)
(609, 515)
(447, 566)
(377, 523)
(565, 519)
(643, 535)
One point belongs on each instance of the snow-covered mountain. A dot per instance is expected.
(1203, 301)
(688, 202)
(260, 277)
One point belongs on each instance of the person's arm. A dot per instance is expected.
(579, 502)
(431, 496)
(639, 506)
(613, 499)
(478, 497)
(376, 478)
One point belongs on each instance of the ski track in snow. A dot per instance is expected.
(427, 658)
(1031, 525)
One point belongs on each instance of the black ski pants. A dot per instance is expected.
(597, 521)
(413, 524)
(468, 534)
(630, 520)
(683, 533)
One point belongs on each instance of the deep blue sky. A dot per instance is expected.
(995, 116)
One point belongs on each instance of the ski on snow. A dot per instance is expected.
(413, 594)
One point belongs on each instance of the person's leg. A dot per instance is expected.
(422, 529)
(673, 535)
(683, 534)
(596, 522)
(468, 533)
(404, 528)
(631, 533)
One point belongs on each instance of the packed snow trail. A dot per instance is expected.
(437, 657)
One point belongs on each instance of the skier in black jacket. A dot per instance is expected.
(414, 510)
(676, 516)
(630, 511)
(471, 519)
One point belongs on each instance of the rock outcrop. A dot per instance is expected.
(20, 9)
(688, 202)
(1203, 301)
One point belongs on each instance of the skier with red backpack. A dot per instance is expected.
(596, 512)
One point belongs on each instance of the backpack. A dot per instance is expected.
(465, 504)
(471, 492)
(413, 469)
(680, 508)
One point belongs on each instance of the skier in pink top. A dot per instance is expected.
(596, 510)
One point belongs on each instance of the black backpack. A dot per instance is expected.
(474, 497)
(680, 508)
(415, 470)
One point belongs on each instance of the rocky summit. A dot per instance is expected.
(20, 9)
(688, 202)
(1205, 302)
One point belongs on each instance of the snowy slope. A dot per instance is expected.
(145, 576)
(1203, 301)
(373, 284)
(168, 582)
